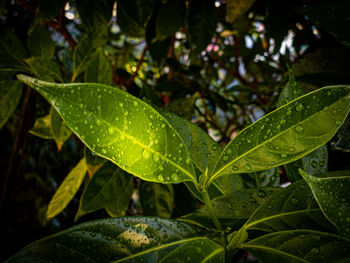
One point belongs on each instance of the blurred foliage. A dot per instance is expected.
(216, 63)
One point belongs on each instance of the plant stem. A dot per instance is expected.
(208, 203)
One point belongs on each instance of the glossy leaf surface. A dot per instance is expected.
(59, 130)
(115, 239)
(289, 208)
(121, 128)
(67, 190)
(333, 196)
(233, 209)
(286, 134)
(110, 188)
(299, 246)
(156, 199)
(10, 94)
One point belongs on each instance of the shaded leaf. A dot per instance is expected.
(286, 134)
(183, 107)
(93, 161)
(96, 12)
(42, 127)
(299, 246)
(157, 199)
(40, 43)
(59, 129)
(233, 210)
(99, 69)
(333, 196)
(45, 68)
(10, 94)
(343, 137)
(50, 9)
(268, 178)
(236, 8)
(112, 239)
(121, 128)
(110, 188)
(67, 190)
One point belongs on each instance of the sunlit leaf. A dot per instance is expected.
(333, 196)
(121, 128)
(115, 239)
(110, 188)
(67, 190)
(10, 94)
(286, 134)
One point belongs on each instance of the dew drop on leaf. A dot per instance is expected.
(156, 158)
(247, 167)
(315, 250)
(146, 154)
(299, 107)
(292, 149)
(111, 130)
(338, 123)
(261, 193)
(283, 155)
(174, 177)
(160, 178)
(299, 128)
(294, 200)
(234, 168)
(104, 151)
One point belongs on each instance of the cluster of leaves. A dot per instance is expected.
(153, 69)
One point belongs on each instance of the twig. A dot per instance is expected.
(138, 65)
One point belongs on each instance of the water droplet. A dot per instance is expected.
(315, 250)
(322, 163)
(252, 200)
(325, 108)
(146, 154)
(294, 200)
(234, 168)
(299, 128)
(338, 123)
(229, 151)
(188, 159)
(156, 158)
(249, 141)
(174, 177)
(299, 107)
(214, 147)
(317, 237)
(292, 149)
(104, 151)
(98, 122)
(85, 122)
(225, 158)
(156, 141)
(126, 113)
(283, 121)
(247, 167)
(289, 112)
(162, 126)
(261, 193)
(121, 104)
(283, 155)
(111, 130)
(160, 178)
(135, 103)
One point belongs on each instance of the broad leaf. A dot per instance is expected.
(112, 239)
(40, 43)
(289, 208)
(333, 196)
(99, 69)
(233, 210)
(299, 246)
(110, 188)
(59, 130)
(45, 69)
(121, 128)
(157, 199)
(268, 178)
(93, 161)
(42, 127)
(286, 134)
(67, 190)
(10, 94)
(95, 13)
(236, 8)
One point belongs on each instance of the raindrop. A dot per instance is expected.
(98, 122)
(111, 130)
(292, 149)
(135, 103)
(299, 128)
(252, 200)
(225, 158)
(338, 123)
(261, 193)
(156, 141)
(104, 151)
(174, 177)
(289, 112)
(229, 151)
(188, 159)
(283, 155)
(249, 141)
(317, 237)
(235, 168)
(322, 163)
(214, 147)
(294, 200)
(156, 157)
(85, 122)
(126, 113)
(121, 105)
(247, 167)
(160, 178)
(146, 154)
(282, 121)
(315, 250)
(299, 107)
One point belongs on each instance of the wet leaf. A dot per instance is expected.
(289, 208)
(157, 199)
(121, 128)
(59, 129)
(299, 246)
(333, 196)
(268, 178)
(10, 94)
(233, 210)
(286, 134)
(110, 188)
(67, 190)
(115, 239)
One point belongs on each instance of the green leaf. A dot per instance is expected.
(120, 128)
(286, 134)
(95, 13)
(10, 94)
(291, 91)
(40, 43)
(333, 196)
(45, 68)
(343, 137)
(202, 20)
(99, 69)
(236, 8)
(67, 190)
(93, 161)
(268, 178)
(42, 127)
(289, 208)
(233, 210)
(170, 17)
(12, 52)
(110, 188)
(299, 246)
(183, 107)
(156, 199)
(107, 240)
(59, 129)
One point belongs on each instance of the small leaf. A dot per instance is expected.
(99, 69)
(236, 8)
(10, 94)
(121, 128)
(233, 210)
(67, 190)
(93, 161)
(110, 188)
(333, 196)
(45, 69)
(42, 127)
(59, 130)
(299, 246)
(40, 43)
(286, 134)
(122, 239)
(157, 199)
(289, 208)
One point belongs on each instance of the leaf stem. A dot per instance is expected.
(208, 203)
